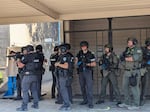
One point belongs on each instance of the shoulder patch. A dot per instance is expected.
(64, 58)
(139, 51)
(22, 58)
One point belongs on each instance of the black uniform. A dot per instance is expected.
(53, 60)
(63, 77)
(70, 77)
(29, 81)
(85, 76)
(19, 80)
(19, 56)
(40, 71)
(145, 76)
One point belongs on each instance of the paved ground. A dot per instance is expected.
(48, 104)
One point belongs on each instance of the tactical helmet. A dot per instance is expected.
(68, 46)
(84, 43)
(134, 40)
(63, 48)
(147, 42)
(23, 48)
(56, 48)
(109, 46)
(39, 48)
(30, 48)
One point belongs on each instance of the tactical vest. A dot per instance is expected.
(131, 52)
(146, 57)
(84, 59)
(71, 63)
(53, 60)
(33, 63)
(61, 71)
(110, 62)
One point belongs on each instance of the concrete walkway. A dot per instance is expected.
(48, 104)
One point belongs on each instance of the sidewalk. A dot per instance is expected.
(48, 104)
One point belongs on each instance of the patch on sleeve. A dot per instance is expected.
(22, 58)
(139, 51)
(93, 59)
(64, 58)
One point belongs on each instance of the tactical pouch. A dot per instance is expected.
(133, 80)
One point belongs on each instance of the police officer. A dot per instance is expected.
(62, 65)
(20, 75)
(29, 81)
(85, 60)
(71, 67)
(59, 99)
(40, 72)
(53, 60)
(131, 77)
(109, 63)
(145, 71)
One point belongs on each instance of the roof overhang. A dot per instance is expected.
(27, 11)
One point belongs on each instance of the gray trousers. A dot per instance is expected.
(69, 87)
(29, 82)
(39, 84)
(59, 96)
(86, 84)
(105, 80)
(135, 90)
(64, 90)
(144, 84)
(19, 80)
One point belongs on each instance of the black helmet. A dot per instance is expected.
(63, 48)
(84, 43)
(56, 48)
(30, 48)
(23, 48)
(68, 46)
(39, 48)
(109, 46)
(147, 42)
(134, 40)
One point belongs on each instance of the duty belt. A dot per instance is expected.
(131, 69)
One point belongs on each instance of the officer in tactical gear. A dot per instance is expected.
(62, 65)
(29, 81)
(145, 71)
(40, 71)
(59, 99)
(53, 60)
(131, 77)
(20, 74)
(71, 67)
(85, 60)
(109, 64)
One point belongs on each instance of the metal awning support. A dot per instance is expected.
(110, 31)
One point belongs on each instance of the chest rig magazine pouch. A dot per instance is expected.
(133, 80)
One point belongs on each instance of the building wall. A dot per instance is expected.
(4, 43)
(127, 27)
(19, 35)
